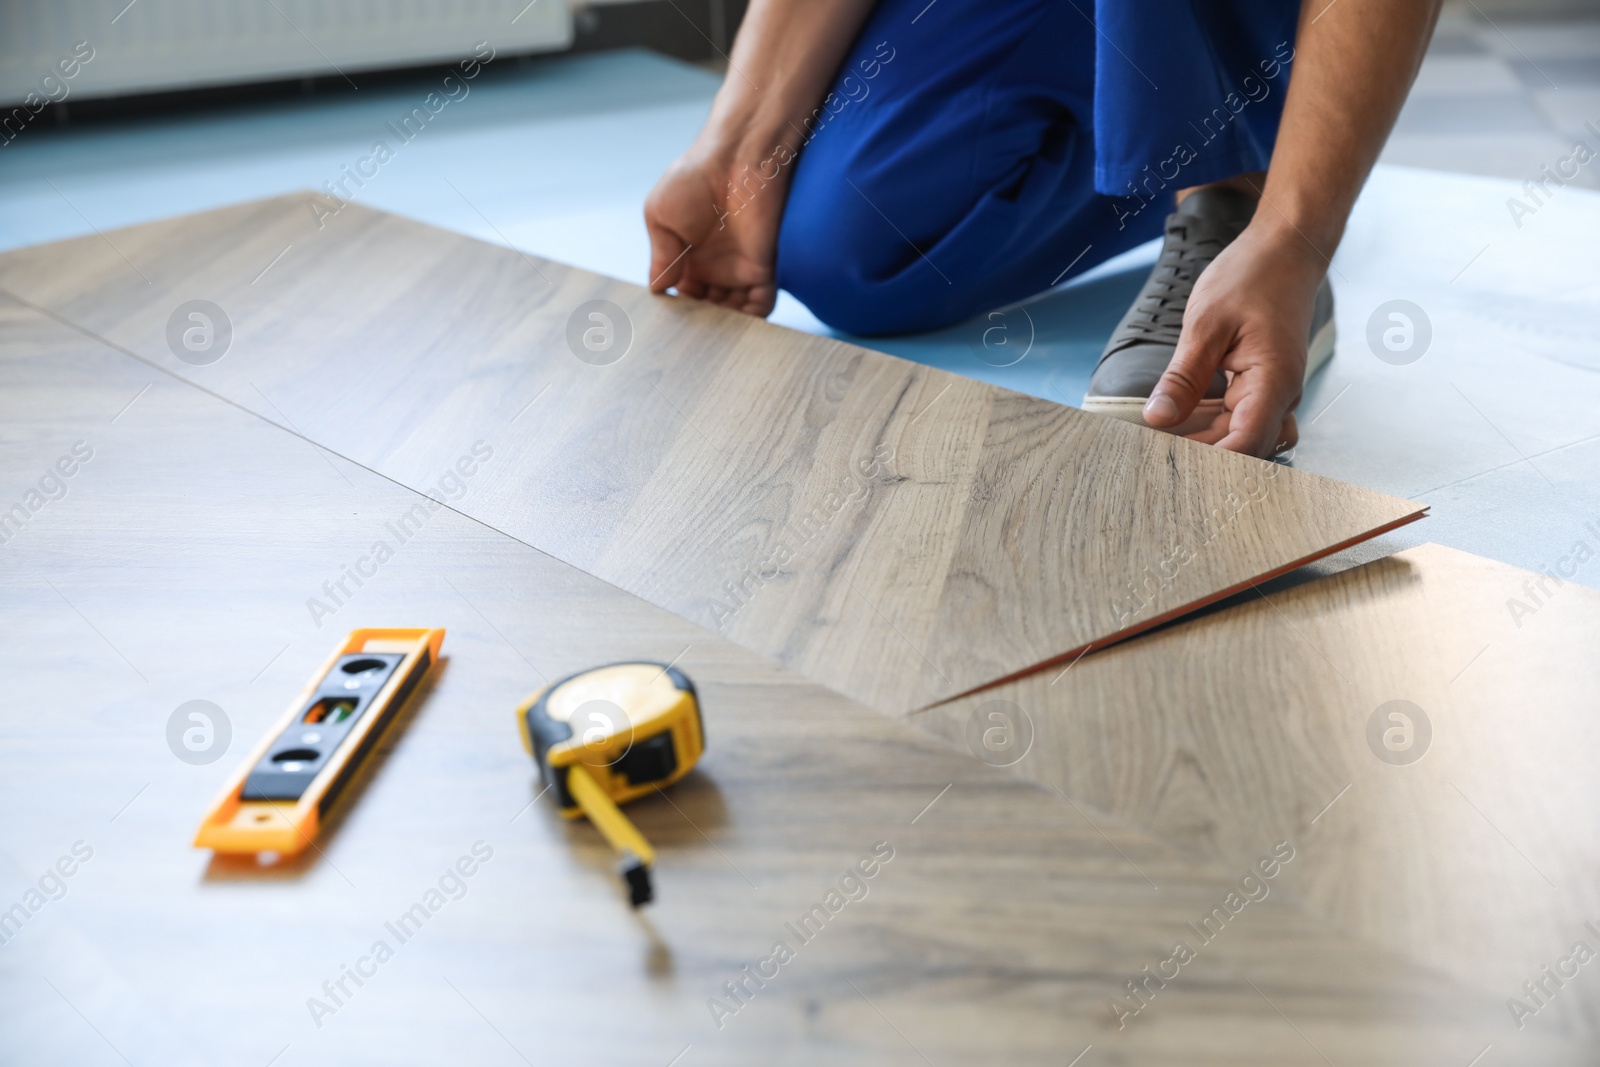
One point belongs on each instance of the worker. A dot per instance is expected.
(909, 164)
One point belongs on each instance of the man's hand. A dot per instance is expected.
(1250, 314)
(709, 244)
(1251, 309)
(714, 215)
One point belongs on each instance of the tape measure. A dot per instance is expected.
(604, 736)
(278, 801)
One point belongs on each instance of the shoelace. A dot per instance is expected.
(1157, 315)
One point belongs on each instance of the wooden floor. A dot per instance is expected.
(902, 534)
(1470, 842)
(1005, 928)
(815, 533)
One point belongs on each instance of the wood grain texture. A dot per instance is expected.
(900, 533)
(1481, 858)
(177, 565)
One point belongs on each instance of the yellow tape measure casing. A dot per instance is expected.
(634, 727)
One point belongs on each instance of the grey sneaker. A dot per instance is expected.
(1143, 343)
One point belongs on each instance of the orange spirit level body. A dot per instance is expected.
(279, 799)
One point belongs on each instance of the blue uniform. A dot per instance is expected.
(974, 152)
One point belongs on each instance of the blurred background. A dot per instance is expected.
(1506, 81)
(255, 87)
(165, 54)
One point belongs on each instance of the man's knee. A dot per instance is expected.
(855, 272)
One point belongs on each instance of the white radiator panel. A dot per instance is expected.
(154, 45)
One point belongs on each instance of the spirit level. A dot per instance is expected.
(605, 736)
(281, 797)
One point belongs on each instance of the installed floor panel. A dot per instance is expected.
(1460, 825)
(901, 534)
(1004, 928)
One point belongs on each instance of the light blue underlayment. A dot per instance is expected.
(1496, 427)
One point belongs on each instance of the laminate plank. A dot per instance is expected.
(902, 534)
(176, 567)
(1465, 836)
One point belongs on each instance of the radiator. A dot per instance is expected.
(65, 49)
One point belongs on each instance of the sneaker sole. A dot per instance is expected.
(1131, 408)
